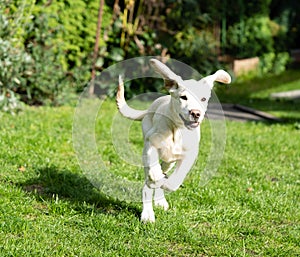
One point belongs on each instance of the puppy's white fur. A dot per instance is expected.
(171, 130)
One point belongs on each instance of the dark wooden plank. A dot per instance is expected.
(264, 115)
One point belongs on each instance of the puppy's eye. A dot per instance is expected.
(203, 99)
(183, 97)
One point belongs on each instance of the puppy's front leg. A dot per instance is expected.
(182, 168)
(151, 163)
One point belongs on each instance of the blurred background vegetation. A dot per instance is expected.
(46, 46)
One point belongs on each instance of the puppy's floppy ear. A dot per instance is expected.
(171, 79)
(220, 76)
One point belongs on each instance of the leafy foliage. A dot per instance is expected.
(285, 13)
(196, 47)
(13, 63)
(274, 63)
(191, 40)
(38, 50)
(46, 46)
(76, 23)
(250, 37)
(30, 71)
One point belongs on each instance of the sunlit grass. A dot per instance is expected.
(49, 208)
(256, 93)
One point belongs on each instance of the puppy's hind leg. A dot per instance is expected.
(147, 213)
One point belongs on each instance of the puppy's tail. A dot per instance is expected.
(123, 107)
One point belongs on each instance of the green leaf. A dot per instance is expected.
(117, 54)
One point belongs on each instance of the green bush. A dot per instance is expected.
(266, 62)
(197, 48)
(31, 70)
(77, 20)
(281, 62)
(47, 79)
(250, 37)
(13, 64)
(273, 63)
(45, 50)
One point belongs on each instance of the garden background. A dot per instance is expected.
(47, 47)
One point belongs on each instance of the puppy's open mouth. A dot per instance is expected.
(188, 123)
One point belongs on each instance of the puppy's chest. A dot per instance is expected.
(176, 144)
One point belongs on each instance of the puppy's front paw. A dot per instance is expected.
(155, 173)
(169, 187)
(156, 184)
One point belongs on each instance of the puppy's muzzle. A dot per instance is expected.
(195, 114)
(193, 121)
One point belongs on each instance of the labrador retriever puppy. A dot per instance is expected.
(171, 131)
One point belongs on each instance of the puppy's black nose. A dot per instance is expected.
(195, 114)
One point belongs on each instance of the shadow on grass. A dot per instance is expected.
(52, 183)
(289, 110)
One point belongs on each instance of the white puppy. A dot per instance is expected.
(171, 129)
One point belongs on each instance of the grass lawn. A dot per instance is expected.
(256, 93)
(250, 208)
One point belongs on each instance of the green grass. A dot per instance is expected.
(49, 208)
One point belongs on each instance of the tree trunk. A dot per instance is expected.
(96, 47)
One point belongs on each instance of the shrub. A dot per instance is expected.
(280, 63)
(250, 37)
(75, 22)
(12, 68)
(274, 63)
(13, 65)
(197, 48)
(48, 78)
(31, 70)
